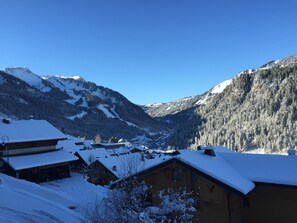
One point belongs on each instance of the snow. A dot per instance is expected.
(41, 159)
(120, 158)
(60, 201)
(220, 87)
(115, 113)
(265, 168)
(241, 170)
(217, 168)
(111, 113)
(269, 65)
(202, 101)
(29, 77)
(78, 116)
(73, 144)
(22, 101)
(220, 149)
(65, 77)
(72, 86)
(104, 109)
(154, 105)
(29, 130)
(101, 95)
(2, 81)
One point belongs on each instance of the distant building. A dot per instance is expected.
(30, 151)
(109, 145)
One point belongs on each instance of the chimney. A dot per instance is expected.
(291, 152)
(5, 121)
(210, 152)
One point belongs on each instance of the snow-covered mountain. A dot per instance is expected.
(77, 106)
(30, 78)
(174, 107)
(254, 110)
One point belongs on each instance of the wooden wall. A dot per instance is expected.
(29, 147)
(216, 203)
(99, 174)
(271, 203)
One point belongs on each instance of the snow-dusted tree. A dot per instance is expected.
(97, 138)
(176, 206)
(113, 139)
(130, 164)
(131, 202)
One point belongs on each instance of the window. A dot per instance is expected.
(177, 174)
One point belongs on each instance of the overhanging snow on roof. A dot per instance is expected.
(29, 130)
(122, 160)
(37, 160)
(217, 168)
(265, 168)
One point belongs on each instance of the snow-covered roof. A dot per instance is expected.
(41, 159)
(122, 159)
(220, 149)
(265, 168)
(29, 130)
(217, 168)
(72, 144)
(241, 170)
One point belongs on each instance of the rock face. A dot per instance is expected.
(79, 107)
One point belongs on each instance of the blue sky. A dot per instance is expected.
(148, 50)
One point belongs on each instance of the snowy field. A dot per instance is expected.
(60, 201)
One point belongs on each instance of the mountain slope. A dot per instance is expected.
(79, 107)
(174, 107)
(257, 110)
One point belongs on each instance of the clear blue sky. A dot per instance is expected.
(148, 50)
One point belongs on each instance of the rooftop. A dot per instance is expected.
(41, 159)
(29, 130)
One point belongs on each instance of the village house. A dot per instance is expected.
(29, 151)
(230, 187)
(108, 165)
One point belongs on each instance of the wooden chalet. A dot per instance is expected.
(108, 165)
(29, 151)
(229, 187)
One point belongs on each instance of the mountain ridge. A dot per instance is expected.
(257, 110)
(255, 104)
(80, 107)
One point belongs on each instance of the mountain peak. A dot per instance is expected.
(63, 77)
(26, 75)
(23, 70)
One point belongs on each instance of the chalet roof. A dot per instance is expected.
(217, 168)
(72, 144)
(239, 171)
(120, 161)
(41, 159)
(29, 130)
(265, 168)
(242, 170)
